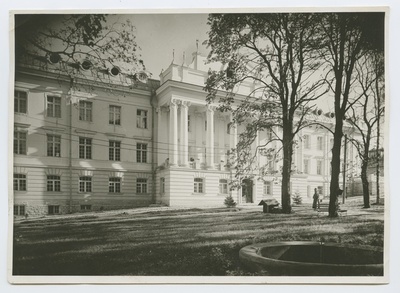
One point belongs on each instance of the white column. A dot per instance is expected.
(210, 137)
(184, 135)
(173, 133)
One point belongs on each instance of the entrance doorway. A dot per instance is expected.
(247, 191)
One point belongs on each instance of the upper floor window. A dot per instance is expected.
(319, 167)
(20, 102)
(188, 123)
(85, 184)
(198, 185)
(53, 145)
(223, 186)
(53, 106)
(141, 119)
(20, 182)
(320, 143)
(19, 142)
(114, 150)
(53, 183)
(306, 166)
(115, 115)
(85, 148)
(141, 153)
(85, 110)
(307, 141)
(114, 185)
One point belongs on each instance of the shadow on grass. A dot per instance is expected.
(183, 243)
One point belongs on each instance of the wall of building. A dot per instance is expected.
(37, 165)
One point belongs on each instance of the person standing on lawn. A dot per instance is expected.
(315, 199)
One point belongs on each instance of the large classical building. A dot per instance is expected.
(102, 139)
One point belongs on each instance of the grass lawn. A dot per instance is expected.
(165, 241)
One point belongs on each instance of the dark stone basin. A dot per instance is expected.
(313, 259)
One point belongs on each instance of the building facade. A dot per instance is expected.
(104, 140)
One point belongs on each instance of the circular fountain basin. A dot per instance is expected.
(301, 258)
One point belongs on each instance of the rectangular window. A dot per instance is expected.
(141, 153)
(114, 185)
(223, 186)
(141, 119)
(267, 188)
(307, 141)
(86, 207)
(19, 143)
(19, 210)
(319, 167)
(20, 182)
(85, 111)
(270, 165)
(85, 148)
(198, 185)
(141, 185)
(53, 183)
(115, 115)
(269, 134)
(53, 209)
(319, 143)
(53, 106)
(162, 185)
(114, 150)
(306, 166)
(53, 145)
(188, 123)
(85, 184)
(20, 102)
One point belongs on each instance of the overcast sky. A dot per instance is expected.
(159, 34)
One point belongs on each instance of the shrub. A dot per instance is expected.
(229, 202)
(297, 199)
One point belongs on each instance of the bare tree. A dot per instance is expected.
(364, 113)
(274, 53)
(346, 38)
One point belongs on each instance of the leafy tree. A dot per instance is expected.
(273, 54)
(346, 37)
(76, 38)
(364, 112)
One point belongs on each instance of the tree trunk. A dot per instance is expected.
(287, 165)
(335, 164)
(365, 184)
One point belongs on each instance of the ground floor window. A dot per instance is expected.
(162, 185)
(86, 207)
(267, 188)
(53, 183)
(19, 210)
(20, 182)
(198, 185)
(114, 185)
(223, 186)
(53, 209)
(85, 184)
(141, 185)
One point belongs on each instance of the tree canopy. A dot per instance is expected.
(77, 37)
